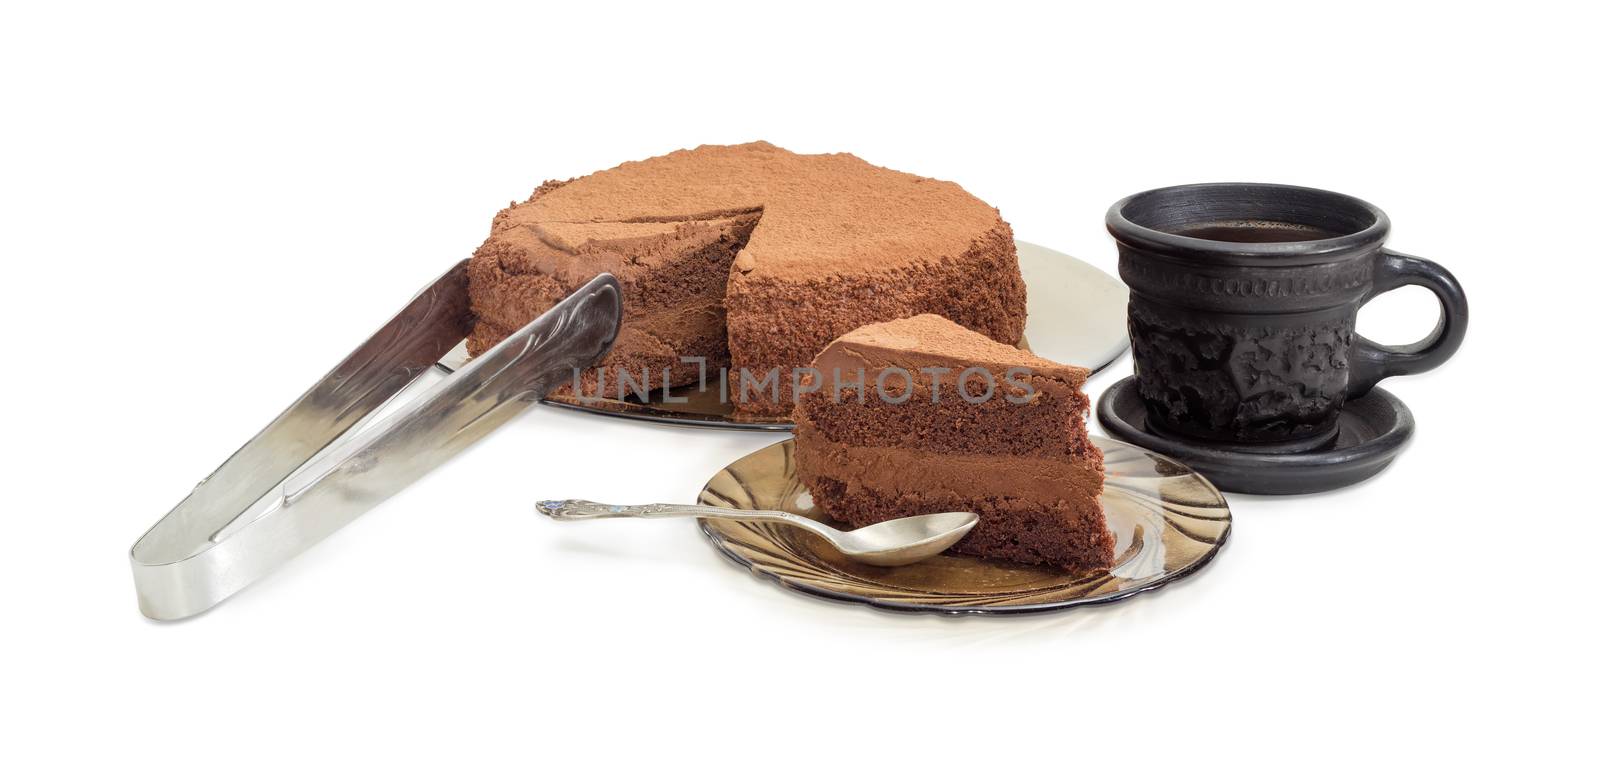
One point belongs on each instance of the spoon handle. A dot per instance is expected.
(582, 509)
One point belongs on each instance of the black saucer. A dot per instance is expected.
(1372, 431)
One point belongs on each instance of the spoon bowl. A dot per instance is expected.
(905, 540)
(891, 543)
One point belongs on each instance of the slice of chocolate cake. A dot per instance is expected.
(922, 415)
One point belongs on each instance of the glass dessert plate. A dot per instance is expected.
(1077, 315)
(1168, 521)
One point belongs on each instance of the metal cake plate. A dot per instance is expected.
(1077, 315)
(1168, 522)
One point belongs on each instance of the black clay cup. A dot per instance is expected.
(1243, 310)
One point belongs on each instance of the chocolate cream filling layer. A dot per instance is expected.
(893, 471)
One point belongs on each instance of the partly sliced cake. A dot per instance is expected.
(921, 415)
(751, 257)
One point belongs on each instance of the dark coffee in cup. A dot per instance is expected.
(1257, 231)
(1243, 308)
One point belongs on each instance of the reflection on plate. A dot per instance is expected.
(1077, 315)
(1168, 520)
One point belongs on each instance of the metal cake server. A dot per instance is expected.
(887, 544)
(368, 429)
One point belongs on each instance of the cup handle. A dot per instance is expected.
(1371, 362)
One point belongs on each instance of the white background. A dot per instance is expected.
(204, 209)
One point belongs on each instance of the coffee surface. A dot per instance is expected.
(1257, 232)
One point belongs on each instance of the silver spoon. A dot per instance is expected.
(887, 544)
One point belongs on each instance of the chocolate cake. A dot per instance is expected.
(750, 256)
(921, 415)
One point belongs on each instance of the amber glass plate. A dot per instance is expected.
(1077, 315)
(1169, 522)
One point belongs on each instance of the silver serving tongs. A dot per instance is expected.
(314, 469)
